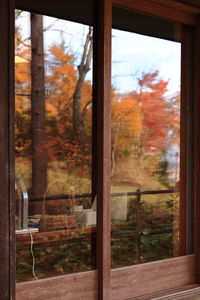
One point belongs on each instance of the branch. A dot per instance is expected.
(51, 25)
(85, 109)
(17, 13)
(83, 69)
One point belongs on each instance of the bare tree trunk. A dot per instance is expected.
(114, 148)
(83, 69)
(39, 157)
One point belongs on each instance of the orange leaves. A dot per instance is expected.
(145, 115)
(61, 64)
(142, 119)
(126, 115)
(61, 82)
(59, 52)
(51, 111)
(144, 123)
(61, 78)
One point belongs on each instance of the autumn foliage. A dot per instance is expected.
(144, 122)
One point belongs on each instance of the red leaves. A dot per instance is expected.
(155, 111)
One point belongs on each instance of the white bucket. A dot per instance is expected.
(85, 217)
(119, 208)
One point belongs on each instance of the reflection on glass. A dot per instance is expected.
(145, 148)
(55, 214)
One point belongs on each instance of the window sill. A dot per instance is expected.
(189, 292)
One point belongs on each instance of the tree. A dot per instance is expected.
(155, 111)
(38, 121)
(22, 102)
(22, 91)
(126, 125)
(78, 115)
(153, 139)
(62, 83)
(145, 123)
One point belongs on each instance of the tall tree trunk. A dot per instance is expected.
(39, 157)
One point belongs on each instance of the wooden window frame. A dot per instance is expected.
(7, 225)
(102, 283)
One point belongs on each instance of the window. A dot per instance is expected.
(55, 210)
(162, 19)
(145, 205)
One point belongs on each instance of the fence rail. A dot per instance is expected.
(89, 195)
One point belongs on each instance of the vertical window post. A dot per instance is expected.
(197, 151)
(186, 134)
(7, 273)
(102, 43)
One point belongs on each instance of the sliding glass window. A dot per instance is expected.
(55, 210)
(145, 200)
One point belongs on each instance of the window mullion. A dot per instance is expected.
(7, 234)
(103, 93)
(197, 150)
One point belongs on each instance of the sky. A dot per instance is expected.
(132, 54)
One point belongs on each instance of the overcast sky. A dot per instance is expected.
(134, 54)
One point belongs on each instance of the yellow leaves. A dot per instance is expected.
(20, 60)
(22, 70)
(126, 125)
(126, 114)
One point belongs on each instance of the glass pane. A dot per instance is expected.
(56, 213)
(145, 148)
